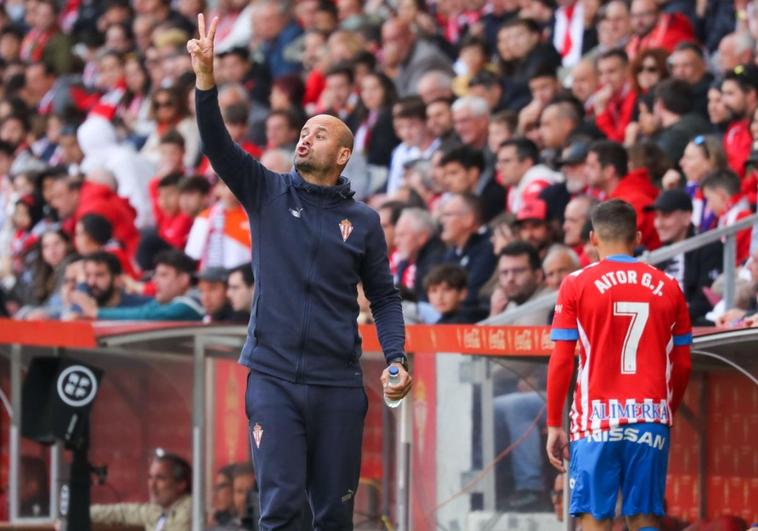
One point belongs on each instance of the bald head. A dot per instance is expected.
(324, 149)
(334, 126)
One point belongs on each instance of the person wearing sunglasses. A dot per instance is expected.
(169, 111)
(648, 69)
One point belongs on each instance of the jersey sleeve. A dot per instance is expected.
(564, 320)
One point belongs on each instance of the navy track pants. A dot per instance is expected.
(305, 439)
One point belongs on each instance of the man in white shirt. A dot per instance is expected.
(417, 141)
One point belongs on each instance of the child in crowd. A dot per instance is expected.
(446, 288)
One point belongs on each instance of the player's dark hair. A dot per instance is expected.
(521, 248)
(451, 274)
(614, 221)
(610, 153)
(724, 179)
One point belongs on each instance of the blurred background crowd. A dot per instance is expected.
(485, 132)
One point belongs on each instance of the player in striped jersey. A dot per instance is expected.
(634, 333)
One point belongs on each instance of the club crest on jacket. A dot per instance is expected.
(346, 228)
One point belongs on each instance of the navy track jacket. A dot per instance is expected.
(312, 245)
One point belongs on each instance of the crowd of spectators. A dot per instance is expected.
(485, 131)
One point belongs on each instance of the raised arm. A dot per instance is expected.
(244, 175)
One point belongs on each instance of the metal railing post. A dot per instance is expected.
(198, 436)
(14, 461)
(730, 269)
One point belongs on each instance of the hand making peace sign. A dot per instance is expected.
(201, 51)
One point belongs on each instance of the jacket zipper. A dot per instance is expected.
(307, 302)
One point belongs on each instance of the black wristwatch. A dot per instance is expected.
(402, 360)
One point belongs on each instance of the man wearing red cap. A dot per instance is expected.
(532, 225)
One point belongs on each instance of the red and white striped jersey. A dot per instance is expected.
(627, 316)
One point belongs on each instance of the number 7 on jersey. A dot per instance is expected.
(639, 312)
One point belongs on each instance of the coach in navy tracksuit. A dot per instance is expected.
(313, 244)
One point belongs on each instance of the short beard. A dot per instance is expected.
(104, 298)
(306, 167)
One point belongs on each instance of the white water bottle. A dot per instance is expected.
(394, 380)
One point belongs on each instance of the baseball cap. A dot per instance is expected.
(532, 209)
(670, 201)
(213, 274)
(576, 153)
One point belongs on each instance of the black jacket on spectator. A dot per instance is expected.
(493, 200)
(382, 140)
(717, 22)
(516, 93)
(700, 94)
(431, 254)
(227, 314)
(479, 261)
(673, 139)
(701, 267)
(556, 197)
(464, 315)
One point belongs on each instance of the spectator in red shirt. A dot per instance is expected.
(608, 171)
(72, 199)
(739, 92)
(722, 191)
(172, 224)
(614, 103)
(653, 29)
